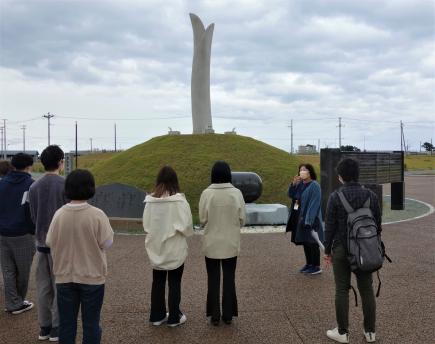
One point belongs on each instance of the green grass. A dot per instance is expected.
(419, 162)
(192, 156)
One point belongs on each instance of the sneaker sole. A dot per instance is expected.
(53, 339)
(178, 324)
(43, 337)
(31, 305)
(315, 273)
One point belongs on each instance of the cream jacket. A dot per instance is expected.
(222, 213)
(77, 237)
(167, 222)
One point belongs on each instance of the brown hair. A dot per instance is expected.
(5, 167)
(166, 182)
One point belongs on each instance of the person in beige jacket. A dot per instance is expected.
(78, 236)
(222, 214)
(167, 220)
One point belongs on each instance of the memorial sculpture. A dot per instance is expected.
(200, 84)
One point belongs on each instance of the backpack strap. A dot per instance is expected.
(345, 203)
(367, 203)
(379, 285)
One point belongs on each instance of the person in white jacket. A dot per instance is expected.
(167, 220)
(222, 214)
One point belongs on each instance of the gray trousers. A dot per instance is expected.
(46, 289)
(16, 256)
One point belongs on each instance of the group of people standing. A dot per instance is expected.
(72, 237)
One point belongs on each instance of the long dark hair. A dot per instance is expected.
(221, 173)
(166, 182)
(310, 169)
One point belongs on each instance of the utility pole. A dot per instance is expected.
(90, 139)
(76, 146)
(23, 128)
(339, 132)
(115, 137)
(5, 145)
(48, 116)
(1, 138)
(402, 137)
(318, 145)
(291, 136)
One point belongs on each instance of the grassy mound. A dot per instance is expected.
(192, 156)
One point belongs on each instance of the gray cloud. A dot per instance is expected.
(270, 59)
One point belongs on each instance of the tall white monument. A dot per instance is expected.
(200, 87)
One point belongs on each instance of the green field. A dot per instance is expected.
(192, 156)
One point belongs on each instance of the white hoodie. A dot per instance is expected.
(168, 221)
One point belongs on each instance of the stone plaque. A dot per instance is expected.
(119, 200)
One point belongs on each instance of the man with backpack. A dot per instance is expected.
(352, 232)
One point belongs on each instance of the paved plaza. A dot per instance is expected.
(276, 303)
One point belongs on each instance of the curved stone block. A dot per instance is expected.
(249, 183)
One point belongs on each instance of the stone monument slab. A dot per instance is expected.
(119, 200)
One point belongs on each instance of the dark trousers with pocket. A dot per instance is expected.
(229, 297)
(158, 291)
(312, 254)
(342, 276)
(89, 299)
(16, 256)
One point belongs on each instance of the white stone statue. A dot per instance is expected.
(200, 87)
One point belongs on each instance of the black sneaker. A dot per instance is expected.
(24, 308)
(54, 335)
(44, 333)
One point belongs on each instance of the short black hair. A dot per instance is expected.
(348, 170)
(221, 173)
(310, 168)
(21, 160)
(51, 157)
(80, 185)
(5, 167)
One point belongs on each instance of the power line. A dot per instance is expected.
(118, 119)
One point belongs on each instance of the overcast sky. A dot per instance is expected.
(129, 62)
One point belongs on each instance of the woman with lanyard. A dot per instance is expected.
(305, 216)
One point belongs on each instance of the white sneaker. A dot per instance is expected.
(158, 323)
(370, 336)
(183, 319)
(335, 335)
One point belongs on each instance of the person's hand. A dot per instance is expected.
(328, 260)
(296, 180)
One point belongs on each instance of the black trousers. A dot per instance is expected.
(229, 298)
(158, 304)
(312, 254)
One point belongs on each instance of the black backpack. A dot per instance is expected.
(365, 250)
(364, 245)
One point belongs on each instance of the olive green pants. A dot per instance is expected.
(342, 276)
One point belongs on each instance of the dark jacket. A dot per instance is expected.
(46, 196)
(309, 214)
(336, 215)
(15, 217)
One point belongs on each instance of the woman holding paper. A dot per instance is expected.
(305, 221)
